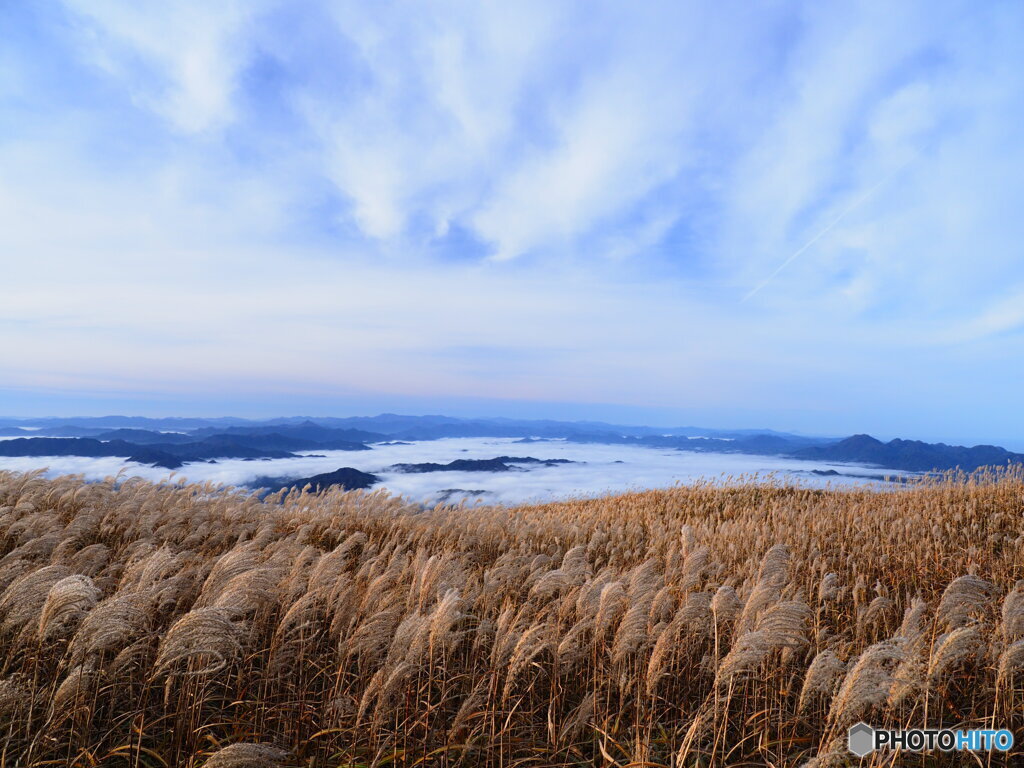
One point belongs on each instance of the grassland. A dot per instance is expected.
(162, 625)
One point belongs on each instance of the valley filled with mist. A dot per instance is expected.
(439, 459)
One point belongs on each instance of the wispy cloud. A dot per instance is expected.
(181, 61)
(1004, 315)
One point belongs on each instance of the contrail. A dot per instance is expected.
(855, 204)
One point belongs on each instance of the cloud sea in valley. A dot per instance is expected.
(598, 469)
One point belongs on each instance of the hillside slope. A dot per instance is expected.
(749, 625)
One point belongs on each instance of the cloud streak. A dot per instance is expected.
(828, 228)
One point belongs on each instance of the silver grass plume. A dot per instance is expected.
(15, 694)
(775, 565)
(783, 626)
(228, 567)
(74, 691)
(912, 626)
(247, 755)
(551, 584)
(22, 601)
(90, 560)
(207, 635)
(725, 605)
(694, 566)
(67, 602)
(660, 653)
(250, 591)
(1012, 624)
(572, 646)
(963, 599)
(663, 607)
(911, 673)
(611, 605)
(113, 624)
(764, 594)
(531, 644)
(953, 649)
(828, 588)
(470, 707)
(822, 680)
(875, 616)
(442, 620)
(578, 721)
(631, 634)
(867, 682)
(645, 580)
(696, 616)
(1010, 664)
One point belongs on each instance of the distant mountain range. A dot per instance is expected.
(387, 426)
(911, 455)
(173, 442)
(174, 450)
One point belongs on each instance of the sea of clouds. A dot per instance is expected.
(600, 469)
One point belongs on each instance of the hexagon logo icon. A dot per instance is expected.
(861, 739)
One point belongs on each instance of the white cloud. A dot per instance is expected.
(434, 105)
(178, 59)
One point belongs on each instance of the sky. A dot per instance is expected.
(803, 216)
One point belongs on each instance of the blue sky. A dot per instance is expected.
(796, 215)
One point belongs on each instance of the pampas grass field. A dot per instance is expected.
(734, 625)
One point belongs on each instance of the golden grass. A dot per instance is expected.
(164, 625)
